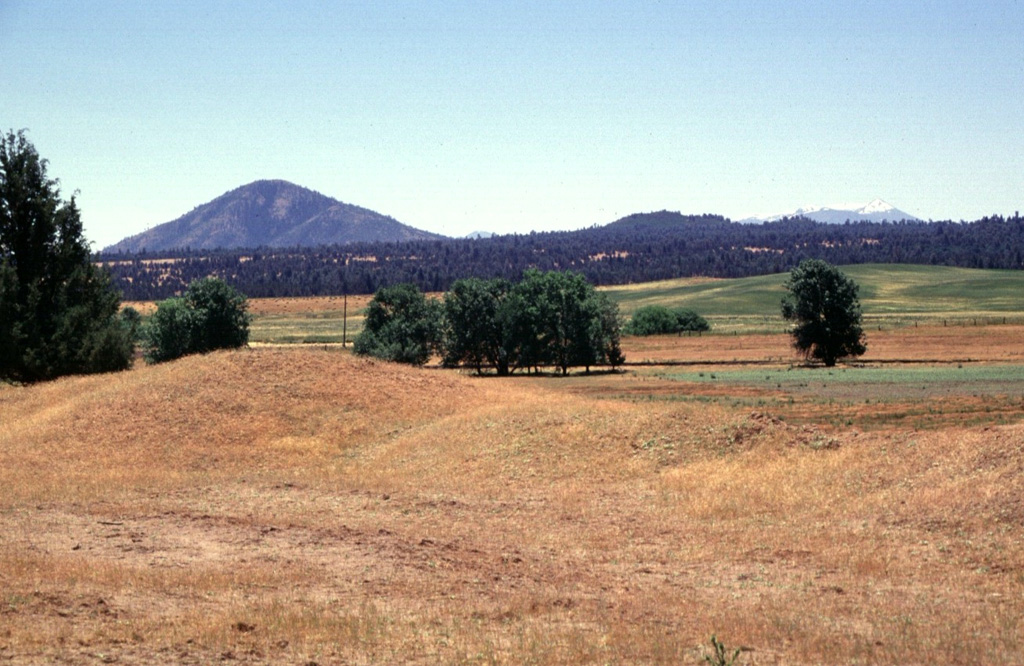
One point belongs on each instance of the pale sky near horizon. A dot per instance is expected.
(518, 116)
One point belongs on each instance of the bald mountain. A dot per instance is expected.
(271, 213)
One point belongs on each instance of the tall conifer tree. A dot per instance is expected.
(58, 312)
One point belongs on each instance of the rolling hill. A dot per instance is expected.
(301, 505)
(271, 213)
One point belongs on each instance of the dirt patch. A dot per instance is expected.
(938, 344)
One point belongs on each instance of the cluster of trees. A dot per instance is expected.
(639, 248)
(663, 320)
(554, 319)
(59, 312)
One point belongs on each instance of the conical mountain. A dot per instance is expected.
(271, 213)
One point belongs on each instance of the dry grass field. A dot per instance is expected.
(296, 505)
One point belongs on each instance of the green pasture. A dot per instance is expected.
(891, 296)
(918, 397)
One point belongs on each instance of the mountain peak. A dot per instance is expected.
(271, 213)
(876, 206)
(875, 211)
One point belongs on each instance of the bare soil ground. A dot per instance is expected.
(935, 344)
(302, 506)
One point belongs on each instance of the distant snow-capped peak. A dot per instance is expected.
(875, 211)
(876, 206)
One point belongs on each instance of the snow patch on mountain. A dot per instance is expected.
(876, 206)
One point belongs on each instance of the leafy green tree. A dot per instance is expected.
(58, 312)
(401, 325)
(210, 315)
(652, 320)
(605, 332)
(169, 332)
(523, 318)
(824, 305)
(475, 325)
(559, 319)
(566, 319)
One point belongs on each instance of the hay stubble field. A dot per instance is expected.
(299, 505)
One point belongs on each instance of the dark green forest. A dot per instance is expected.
(638, 248)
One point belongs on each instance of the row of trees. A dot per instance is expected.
(555, 319)
(558, 319)
(640, 248)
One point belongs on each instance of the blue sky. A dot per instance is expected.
(520, 116)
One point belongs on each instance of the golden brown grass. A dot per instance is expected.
(290, 505)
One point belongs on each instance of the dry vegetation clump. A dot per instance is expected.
(296, 506)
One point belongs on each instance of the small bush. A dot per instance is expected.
(720, 657)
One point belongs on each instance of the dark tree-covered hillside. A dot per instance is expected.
(638, 248)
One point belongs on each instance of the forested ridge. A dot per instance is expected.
(638, 248)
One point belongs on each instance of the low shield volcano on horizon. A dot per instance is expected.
(271, 213)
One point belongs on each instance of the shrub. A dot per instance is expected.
(210, 315)
(661, 320)
(169, 331)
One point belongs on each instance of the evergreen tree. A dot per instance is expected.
(58, 312)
